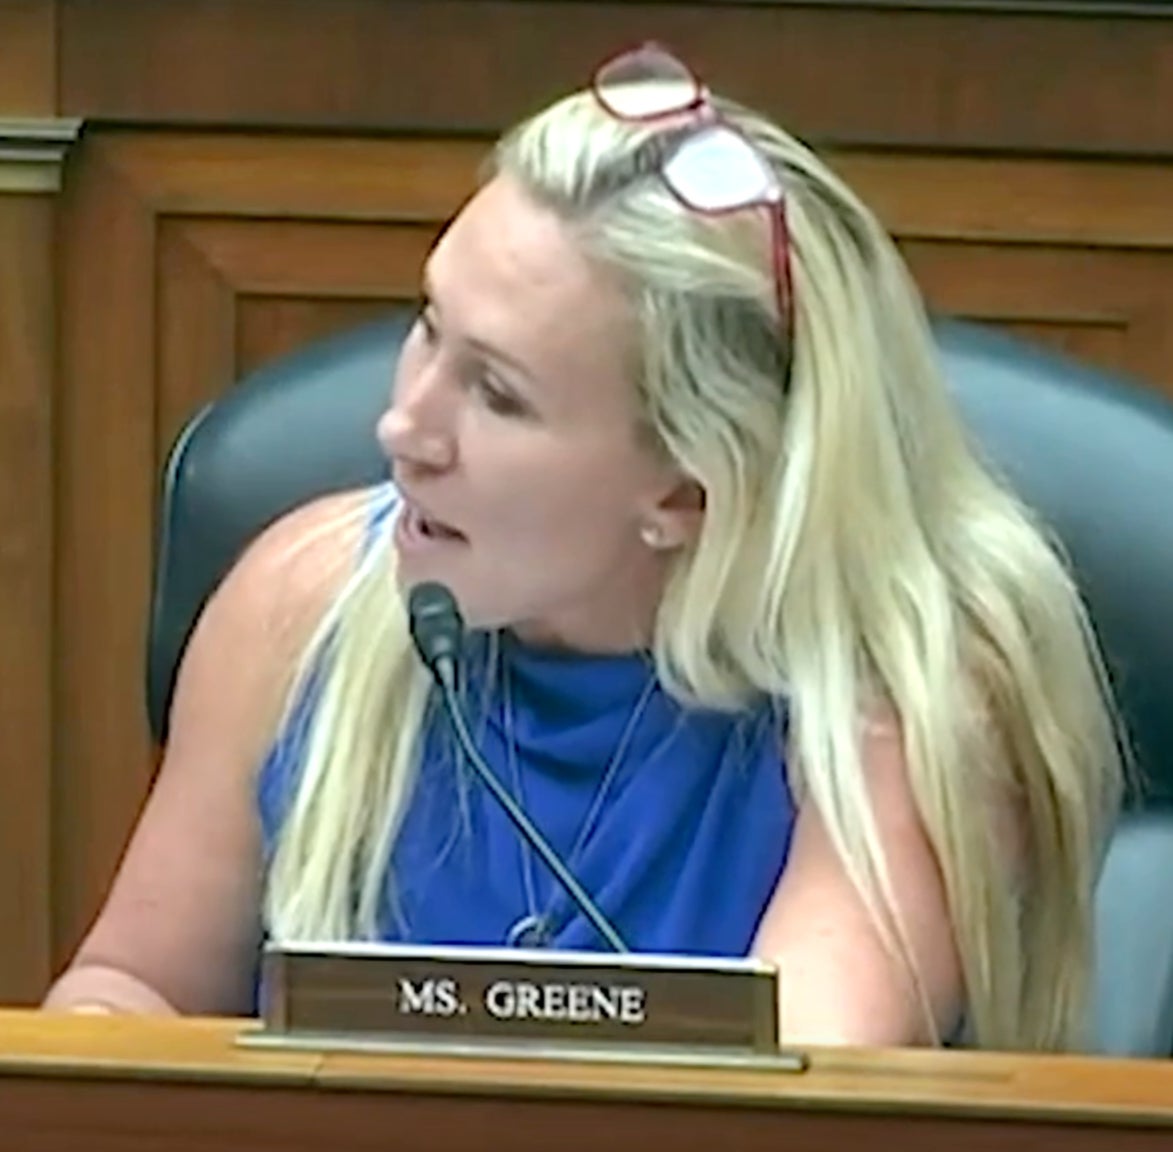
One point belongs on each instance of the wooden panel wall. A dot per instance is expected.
(26, 354)
(193, 259)
(1027, 75)
(254, 174)
(28, 58)
(30, 167)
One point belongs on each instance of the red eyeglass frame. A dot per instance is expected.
(701, 107)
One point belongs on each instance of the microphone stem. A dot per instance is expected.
(445, 674)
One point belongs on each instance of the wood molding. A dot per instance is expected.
(33, 153)
(1108, 203)
(1024, 199)
(1078, 251)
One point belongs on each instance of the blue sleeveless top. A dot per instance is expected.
(677, 821)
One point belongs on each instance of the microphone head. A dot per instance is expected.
(437, 628)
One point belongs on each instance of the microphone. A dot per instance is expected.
(437, 629)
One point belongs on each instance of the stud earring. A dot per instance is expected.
(652, 536)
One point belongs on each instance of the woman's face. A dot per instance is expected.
(513, 436)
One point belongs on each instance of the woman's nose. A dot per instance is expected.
(411, 431)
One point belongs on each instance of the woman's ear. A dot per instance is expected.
(674, 521)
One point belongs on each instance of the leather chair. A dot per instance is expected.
(1093, 454)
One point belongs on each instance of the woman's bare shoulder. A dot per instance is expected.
(180, 926)
(291, 572)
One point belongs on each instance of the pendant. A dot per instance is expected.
(529, 932)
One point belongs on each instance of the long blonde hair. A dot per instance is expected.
(855, 558)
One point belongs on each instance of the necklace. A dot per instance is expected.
(534, 930)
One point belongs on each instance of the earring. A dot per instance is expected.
(652, 536)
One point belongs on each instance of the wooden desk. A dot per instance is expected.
(113, 1085)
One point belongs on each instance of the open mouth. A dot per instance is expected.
(415, 527)
(437, 531)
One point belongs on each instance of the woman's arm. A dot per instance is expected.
(179, 931)
(839, 983)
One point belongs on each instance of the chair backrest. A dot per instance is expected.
(299, 428)
(1093, 454)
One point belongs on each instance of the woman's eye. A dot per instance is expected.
(426, 327)
(496, 398)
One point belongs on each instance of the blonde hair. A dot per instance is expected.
(855, 558)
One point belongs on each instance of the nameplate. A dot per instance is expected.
(498, 997)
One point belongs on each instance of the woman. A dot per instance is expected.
(771, 659)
